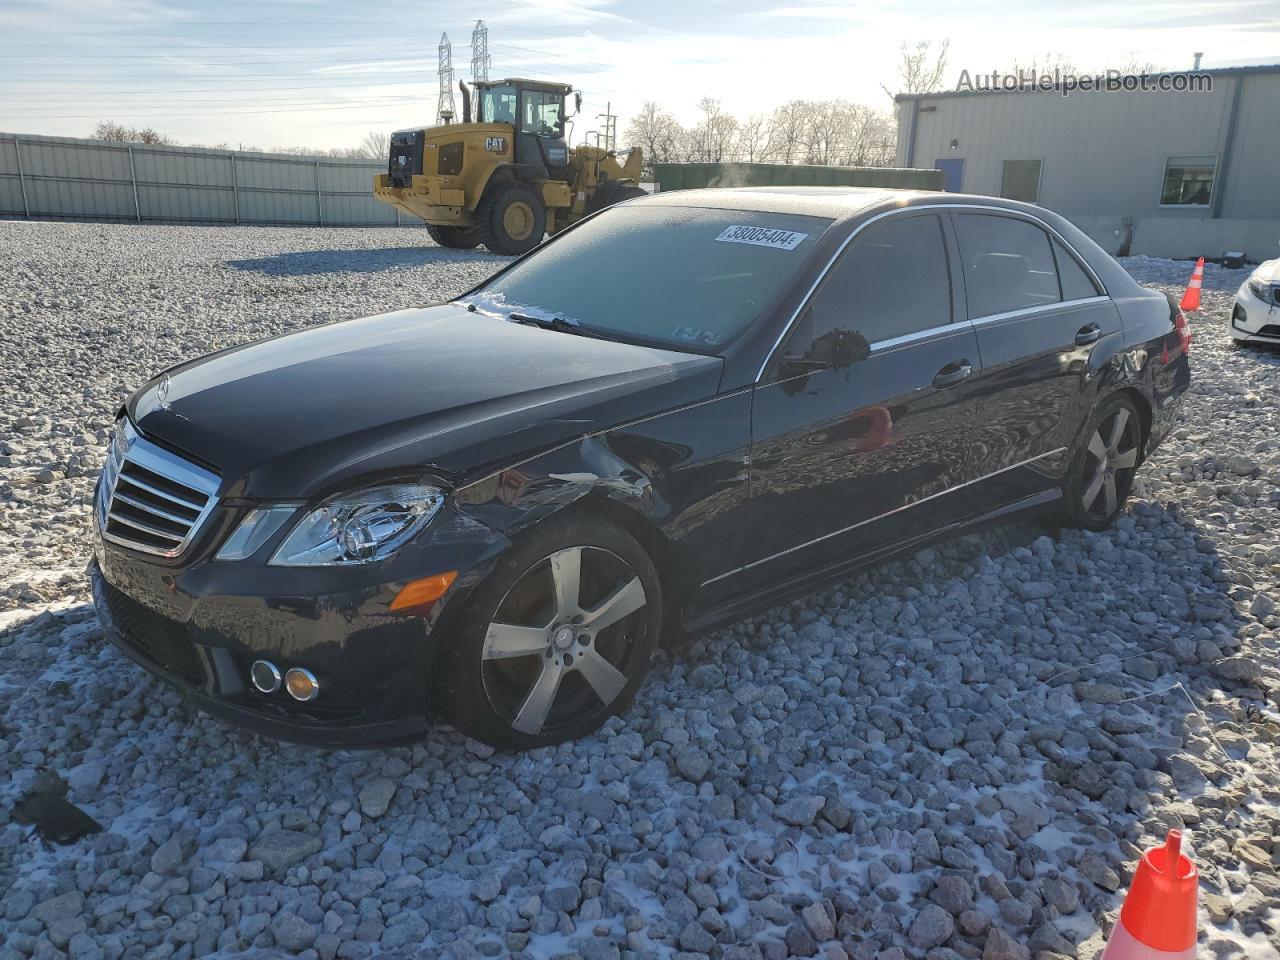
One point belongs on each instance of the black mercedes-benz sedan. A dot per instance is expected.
(682, 409)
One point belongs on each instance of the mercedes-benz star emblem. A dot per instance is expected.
(162, 393)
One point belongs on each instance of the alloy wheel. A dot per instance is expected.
(562, 644)
(1110, 460)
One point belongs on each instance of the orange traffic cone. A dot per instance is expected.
(1191, 299)
(1158, 919)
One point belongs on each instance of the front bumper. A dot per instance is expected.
(200, 627)
(1253, 318)
(435, 199)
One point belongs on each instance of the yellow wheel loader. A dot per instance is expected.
(507, 178)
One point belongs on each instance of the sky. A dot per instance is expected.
(322, 73)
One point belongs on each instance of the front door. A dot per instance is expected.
(541, 132)
(863, 419)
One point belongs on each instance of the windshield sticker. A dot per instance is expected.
(763, 237)
(695, 335)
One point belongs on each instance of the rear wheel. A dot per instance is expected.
(611, 192)
(511, 220)
(557, 639)
(1103, 469)
(455, 238)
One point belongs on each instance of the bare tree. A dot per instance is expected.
(119, 133)
(375, 145)
(714, 138)
(753, 139)
(655, 132)
(921, 67)
(786, 131)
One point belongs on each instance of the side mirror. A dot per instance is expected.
(831, 351)
(848, 347)
(577, 102)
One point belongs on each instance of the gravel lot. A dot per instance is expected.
(957, 755)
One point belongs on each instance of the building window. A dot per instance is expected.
(1188, 181)
(1021, 180)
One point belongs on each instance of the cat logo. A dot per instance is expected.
(495, 144)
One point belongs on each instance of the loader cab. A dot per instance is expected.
(536, 110)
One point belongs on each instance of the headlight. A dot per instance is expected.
(360, 527)
(1260, 288)
(258, 526)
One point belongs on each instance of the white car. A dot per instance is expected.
(1255, 318)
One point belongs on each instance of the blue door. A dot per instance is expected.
(952, 174)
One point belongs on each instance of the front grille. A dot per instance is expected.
(159, 639)
(150, 499)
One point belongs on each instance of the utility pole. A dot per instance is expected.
(480, 52)
(444, 105)
(610, 135)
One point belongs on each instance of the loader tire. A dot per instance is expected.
(455, 238)
(611, 192)
(511, 219)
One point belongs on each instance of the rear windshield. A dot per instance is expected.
(684, 277)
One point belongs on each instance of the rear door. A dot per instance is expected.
(1038, 313)
(849, 457)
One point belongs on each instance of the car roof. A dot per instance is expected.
(833, 202)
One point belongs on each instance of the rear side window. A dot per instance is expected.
(891, 281)
(1008, 264)
(1076, 284)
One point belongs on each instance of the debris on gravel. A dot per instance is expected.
(960, 754)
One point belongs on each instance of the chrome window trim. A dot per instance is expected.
(949, 329)
(158, 460)
(1029, 311)
(902, 211)
(881, 516)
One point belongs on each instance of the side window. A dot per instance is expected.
(892, 280)
(1076, 284)
(1008, 264)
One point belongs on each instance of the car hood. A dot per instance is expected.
(438, 389)
(1268, 271)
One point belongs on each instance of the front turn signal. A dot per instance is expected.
(424, 592)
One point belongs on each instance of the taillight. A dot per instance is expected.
(1184, 329)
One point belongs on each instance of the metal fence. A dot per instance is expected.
(65, 178)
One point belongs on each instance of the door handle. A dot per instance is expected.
(1088, 334)
(953, 373)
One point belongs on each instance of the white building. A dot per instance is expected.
(1169, 174)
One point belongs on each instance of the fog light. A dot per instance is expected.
(301, 684)
(265, 676)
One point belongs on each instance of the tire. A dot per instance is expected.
(611, 192)
(1102, 470)
(528, 667)
(455, 238)
(511, 219)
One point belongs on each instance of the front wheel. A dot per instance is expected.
(511, 220)
(557, 639)
(1102, 471)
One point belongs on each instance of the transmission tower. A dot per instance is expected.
(444, 107)
(480, 52)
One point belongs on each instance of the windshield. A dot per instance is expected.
(542, 113)
(686, 277)
(498, 104)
